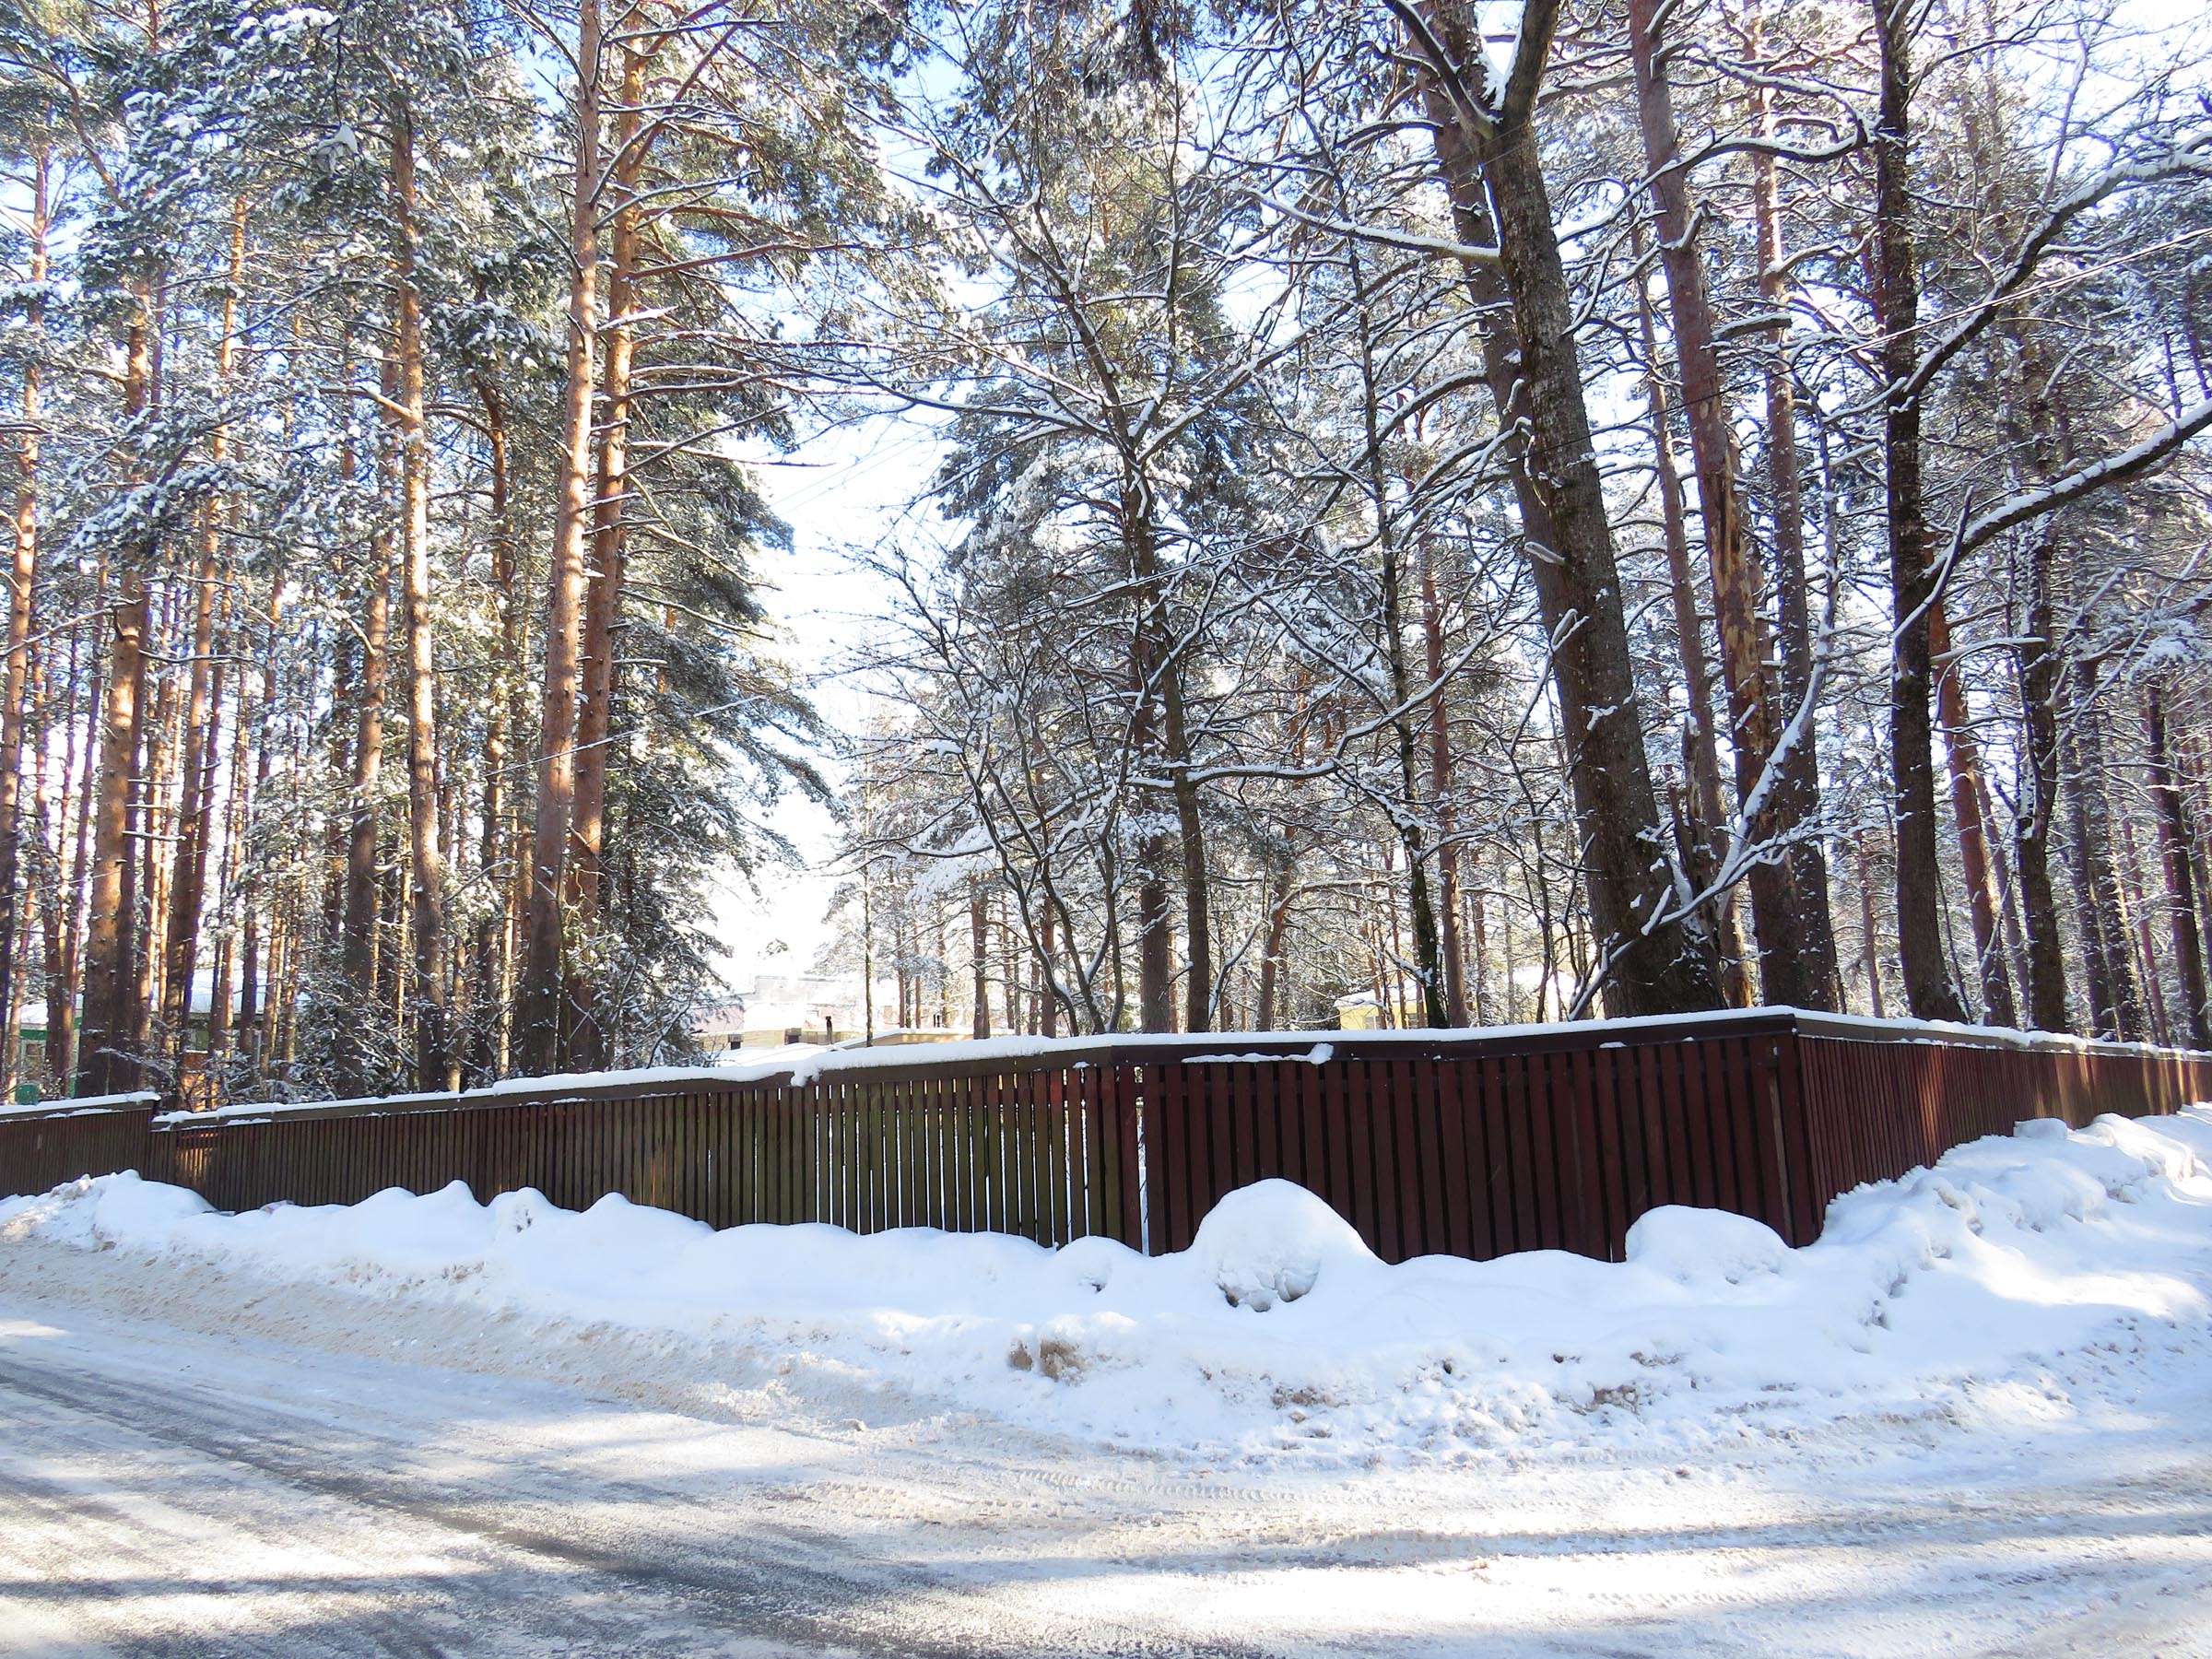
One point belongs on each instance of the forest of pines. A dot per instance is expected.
(1439, 513)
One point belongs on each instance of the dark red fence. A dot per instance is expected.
(1467, 1143)
(1045, 1153)
(1876, 1105)
(41, 1148)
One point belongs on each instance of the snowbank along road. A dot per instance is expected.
(1975, 1419)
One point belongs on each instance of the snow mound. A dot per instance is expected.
(1272, 1241)
(99, 1213)
(1691, 1246)
(1979, 1286)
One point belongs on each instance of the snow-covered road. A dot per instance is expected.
(234, 1468)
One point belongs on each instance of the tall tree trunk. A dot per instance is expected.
(57, 897)
(1913, 579)
(1160, 683)
(944, 966)
(587, 1039)
(1034, 1005)
(1800, 780)
(1154, 847)
(277, 1015)
(2103, 936)
(288, 964)
(1427, 944)
(1009, 968)
(23, 580)
(1271, 949)
(1983, 902)
(434, 1067)
(1402, 1006)
(187, 896)
(537, 1046)
(111, 941)
(2044, 451)
(2146, 965)
(2195, 1022)
(240, 886)
(1796, 939)
(358, 959)
(2197, 811)
(75, 856)
(495, 934)
(1282, 892)
(392, 972)
(111, 936)
(1440, 795)
(1155, 937)
(153, 821)
(1870, 950)
(1497, 191)
(1478, 927)
(2036, 656)
(195, 800)
(33, 716)
(338, 826)
(2008, 904)
(2104, 918)
(1048, 977)
(1702, 849)
(1198, 875)
(1427, 962)
(979, 958)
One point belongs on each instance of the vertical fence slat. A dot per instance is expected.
(1134, 1131)
(1182, 1162)
(1401, 1121)
(1090, 1149)
(1550, 1098)
(936, 1166)
(1444, 1212)
(978, 1122)
(1035, 1087)
(1212, 1141)
(1581, 1167)
(1368, 1214)
(959, 1191)
(1062, 1222)
(1246, 1123)
(1607, 1077)
(1521, 1166)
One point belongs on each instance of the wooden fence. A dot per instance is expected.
(64, 1139)
(1473, 1144)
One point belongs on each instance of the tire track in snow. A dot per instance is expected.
(771, 1592)
(1902, 1537)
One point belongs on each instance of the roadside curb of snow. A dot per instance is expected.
(2021, 1281)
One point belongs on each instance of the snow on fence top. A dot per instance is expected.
(783, 1067)
(83, 1103)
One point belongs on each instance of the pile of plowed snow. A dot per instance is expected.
(1984, 1283)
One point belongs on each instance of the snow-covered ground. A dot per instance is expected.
(1975, 1417)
